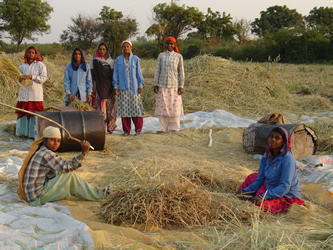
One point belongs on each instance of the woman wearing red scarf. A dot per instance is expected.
(30, 96)
(276, 185)
(102, 71)
(169, 86)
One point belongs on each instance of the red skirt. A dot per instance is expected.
(274, 206)
(30, 106)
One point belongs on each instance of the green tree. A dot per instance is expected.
(173, 20)
(116, 28)
(82, 33)
(160, 31)
(321, 20)
(22, 19)
(275, 18)
(216, 26)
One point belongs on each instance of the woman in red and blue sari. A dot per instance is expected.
(276, 185)
(31, 95)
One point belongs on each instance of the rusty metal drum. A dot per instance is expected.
(83, 125)
(303, 138)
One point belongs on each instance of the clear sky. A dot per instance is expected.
(141, 10)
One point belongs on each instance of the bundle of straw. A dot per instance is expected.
(7, 65)
(82, 106)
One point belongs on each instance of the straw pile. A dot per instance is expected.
(182, 202)
(242, 88)
(208, 180)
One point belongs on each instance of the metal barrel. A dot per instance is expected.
(303, 139)
(83, 125)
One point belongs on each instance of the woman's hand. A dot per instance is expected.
(256, 199)
(24, 77)
(156, 89)
(180, 91)
(116, 92)
(243, 195)
(88, 98)
(70, 98)
(140, 90)
(85, 145)
(240, 191)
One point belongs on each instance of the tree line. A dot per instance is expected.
(279, 32)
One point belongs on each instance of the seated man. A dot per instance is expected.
(45, 177)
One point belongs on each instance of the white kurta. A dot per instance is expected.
(34, 92)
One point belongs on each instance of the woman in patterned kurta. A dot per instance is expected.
(169, 86)
(30, 96)
(128, 85)
(276, 185)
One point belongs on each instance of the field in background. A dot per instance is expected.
(244, 88)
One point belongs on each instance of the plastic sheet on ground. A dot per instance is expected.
(46, 227)
(318, 169)
(200, 119)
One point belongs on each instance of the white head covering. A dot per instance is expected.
(51, 132)
(126, 41)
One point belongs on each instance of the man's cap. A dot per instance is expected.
(51, 132)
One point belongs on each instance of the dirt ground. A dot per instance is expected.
(150, 153)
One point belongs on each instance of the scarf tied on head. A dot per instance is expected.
(97, 55)
(285, 148)
(172, 39)
(38, 56)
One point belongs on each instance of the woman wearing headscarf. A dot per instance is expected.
(77, 78)
(30, 96)
(276, 185)
(128, 85)
(169, 86)
(102, 71)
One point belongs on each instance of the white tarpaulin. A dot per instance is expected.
(47, 227)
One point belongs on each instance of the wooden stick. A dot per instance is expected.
(210, 138)
(48, 119)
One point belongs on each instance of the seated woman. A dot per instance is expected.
(277, 180)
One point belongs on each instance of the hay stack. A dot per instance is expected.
(177, 202)
(208, 180)
(241, 88)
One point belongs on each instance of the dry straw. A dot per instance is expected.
(7, 65)
(242, 88)
(82, 106)
(181, 202)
